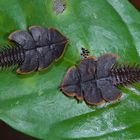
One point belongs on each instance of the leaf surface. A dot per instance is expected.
(34, 105)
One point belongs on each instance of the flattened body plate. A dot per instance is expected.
(41, 46)
(90, 80)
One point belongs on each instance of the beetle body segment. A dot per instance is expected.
(11, 56)
(40, 46)
(91, 80)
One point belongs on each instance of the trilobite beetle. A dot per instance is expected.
(96, 80)
(34, 49)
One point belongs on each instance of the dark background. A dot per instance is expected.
(7, 133)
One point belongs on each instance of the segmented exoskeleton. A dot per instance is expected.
(96, 80)
(32, 50)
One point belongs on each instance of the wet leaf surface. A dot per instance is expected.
(34, 105)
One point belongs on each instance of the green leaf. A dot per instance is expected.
(34, 105)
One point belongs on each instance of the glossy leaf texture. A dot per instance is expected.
(33, 103)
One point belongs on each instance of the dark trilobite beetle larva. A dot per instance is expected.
(34, 49)
(96, 80)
